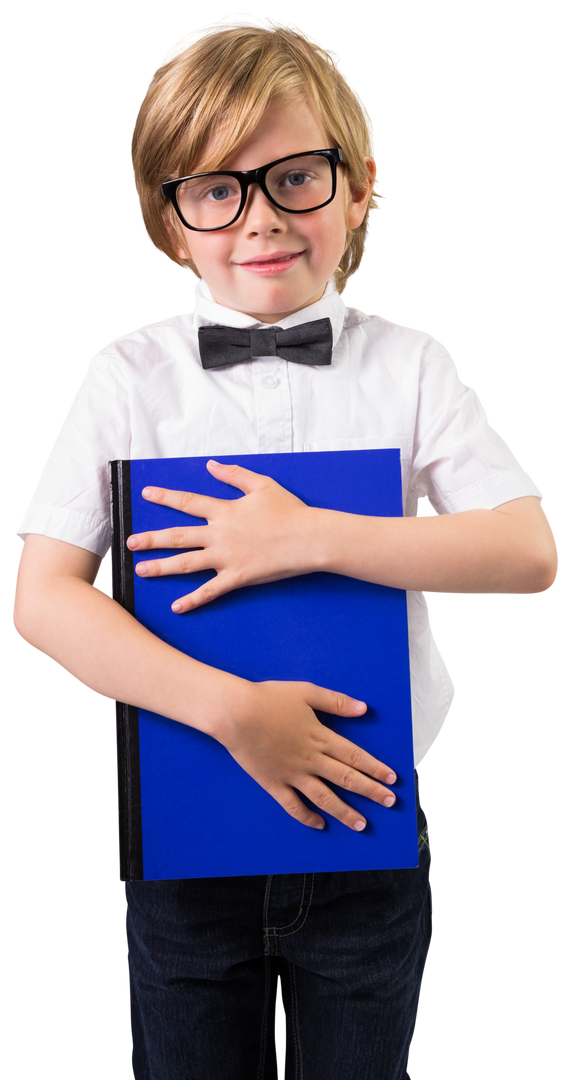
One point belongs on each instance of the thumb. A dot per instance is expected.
(238, 477)
(332, 701)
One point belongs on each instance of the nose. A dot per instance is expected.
(259, 213)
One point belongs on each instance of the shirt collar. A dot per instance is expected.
(330, 307)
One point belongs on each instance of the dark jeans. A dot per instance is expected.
(205, 955)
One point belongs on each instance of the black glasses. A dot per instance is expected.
(297, 184)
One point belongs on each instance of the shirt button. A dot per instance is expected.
(270, 382)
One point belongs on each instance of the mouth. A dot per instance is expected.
(276, 263)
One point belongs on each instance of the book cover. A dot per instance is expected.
(187, 809)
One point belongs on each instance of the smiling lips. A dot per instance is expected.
(276, 263)
(273, 257)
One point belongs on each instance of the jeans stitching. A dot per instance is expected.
(275, 930)
(296, 1042)
(267, 988)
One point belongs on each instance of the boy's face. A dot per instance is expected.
(271, 263)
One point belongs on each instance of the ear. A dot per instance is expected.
(359, 200)
(180, 249)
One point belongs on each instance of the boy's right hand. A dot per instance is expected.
(276, 737)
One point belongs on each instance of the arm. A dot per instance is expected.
(507, 549)
(271, 534)
(270, 728)
(60, 612)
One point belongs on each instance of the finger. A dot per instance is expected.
(323, 797)
(188, 563)
(187, 536)
(294, 806)
(244, 479)
(208, 592)
(356, 764)
(190, 502)
(336, 746)
(326, 799)
(332, 701)
(352, 780)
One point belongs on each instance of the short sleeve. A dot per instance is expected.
(71, 501)
(459, 461)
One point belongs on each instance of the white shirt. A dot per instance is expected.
(147, 395)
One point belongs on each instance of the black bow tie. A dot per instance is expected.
(307, 343)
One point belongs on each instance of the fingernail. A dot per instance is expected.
(141, 568)
(147, 492)
(359, 826)
(389, 800)
(177, 606)
(213, 462)
(320, 825)
(359, 704)
(390, 778)
(133, 542)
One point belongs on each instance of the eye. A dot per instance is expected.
(296, 179)
(208, 188)
(219, 193)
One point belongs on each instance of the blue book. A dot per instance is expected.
(186, 808)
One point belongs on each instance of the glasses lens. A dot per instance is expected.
(209, 202)
(301, 183)
(213, 200)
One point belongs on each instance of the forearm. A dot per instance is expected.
(503, 550)
(106, 648)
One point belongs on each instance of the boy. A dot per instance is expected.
(273, 234)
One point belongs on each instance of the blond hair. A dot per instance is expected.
(219, 88)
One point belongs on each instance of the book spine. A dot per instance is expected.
(128, 764)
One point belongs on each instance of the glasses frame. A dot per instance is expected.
(246, 177)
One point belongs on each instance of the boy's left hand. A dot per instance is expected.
(248, 541)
